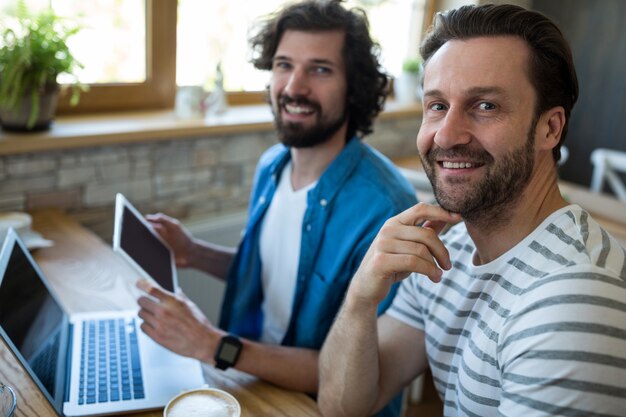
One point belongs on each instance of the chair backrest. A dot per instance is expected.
(605, 164)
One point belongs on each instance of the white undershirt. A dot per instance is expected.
(281, 235)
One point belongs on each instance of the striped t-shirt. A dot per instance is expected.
(539, 331)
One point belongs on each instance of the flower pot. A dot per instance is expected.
(17, 120)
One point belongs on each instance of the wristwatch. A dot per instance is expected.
(227, 352)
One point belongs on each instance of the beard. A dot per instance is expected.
(298, 136)
(487, 202)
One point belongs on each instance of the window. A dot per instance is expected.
(143, 74)
(217, 32)
(112, 41)
(127, 46)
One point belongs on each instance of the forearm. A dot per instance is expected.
(289, 367)
(175, 322)
(211, 258)
(349, 365)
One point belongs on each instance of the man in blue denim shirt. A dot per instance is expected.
(318, 199)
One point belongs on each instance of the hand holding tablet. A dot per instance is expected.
(177, 237)
(136, 241)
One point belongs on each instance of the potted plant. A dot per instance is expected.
(407, 83)
(33, 52)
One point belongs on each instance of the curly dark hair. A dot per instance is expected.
(366, 81)
(552, 71)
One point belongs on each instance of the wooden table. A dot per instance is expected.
(607, 210)
(88, 276)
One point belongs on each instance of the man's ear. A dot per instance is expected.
(550, 128)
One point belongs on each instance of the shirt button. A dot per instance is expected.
(262, 200)
(308, 227)
(323, 202)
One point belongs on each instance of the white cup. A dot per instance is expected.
(19, 221)
(189, 102)
(203, 402)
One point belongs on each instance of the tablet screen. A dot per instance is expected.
(141, 244)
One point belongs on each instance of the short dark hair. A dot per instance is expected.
(367, 84)
(552, 71)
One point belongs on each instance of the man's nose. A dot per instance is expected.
(455, 129)
(298, 84)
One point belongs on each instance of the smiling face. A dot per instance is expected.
(308, 88)
(477, 136)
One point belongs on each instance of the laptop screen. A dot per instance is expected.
(146, 249)
(33, 321)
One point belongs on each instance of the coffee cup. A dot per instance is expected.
(189, 102)
(17, 220)
(203, 402)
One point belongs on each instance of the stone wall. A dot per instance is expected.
(186, 178)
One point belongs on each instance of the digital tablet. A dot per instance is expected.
(140, 245)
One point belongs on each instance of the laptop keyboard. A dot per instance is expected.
(110, 369)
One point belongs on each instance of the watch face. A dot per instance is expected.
(228, 352)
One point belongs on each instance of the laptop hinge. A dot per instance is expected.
(68, 363)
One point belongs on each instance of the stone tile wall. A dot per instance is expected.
(185, 178)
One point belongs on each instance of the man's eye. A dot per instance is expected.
(281, 65)
(437, 107)
(486, 106)
(322, 70)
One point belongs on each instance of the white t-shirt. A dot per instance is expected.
(539, 331)
(281, 235)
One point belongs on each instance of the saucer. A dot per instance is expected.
(21, 222)
(34, 240)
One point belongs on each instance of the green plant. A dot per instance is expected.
(33, 51)
(412, 65)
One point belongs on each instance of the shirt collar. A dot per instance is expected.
(334, 176)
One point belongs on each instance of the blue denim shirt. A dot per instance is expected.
(356, 194)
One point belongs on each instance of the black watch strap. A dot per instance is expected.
(227, 352)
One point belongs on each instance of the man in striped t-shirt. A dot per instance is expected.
(520, 309)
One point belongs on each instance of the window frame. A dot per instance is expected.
(159, 89)
(158, 92)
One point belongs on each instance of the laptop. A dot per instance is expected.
(140, 245)
(85, 364)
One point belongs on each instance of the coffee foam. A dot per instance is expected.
(203, 403)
